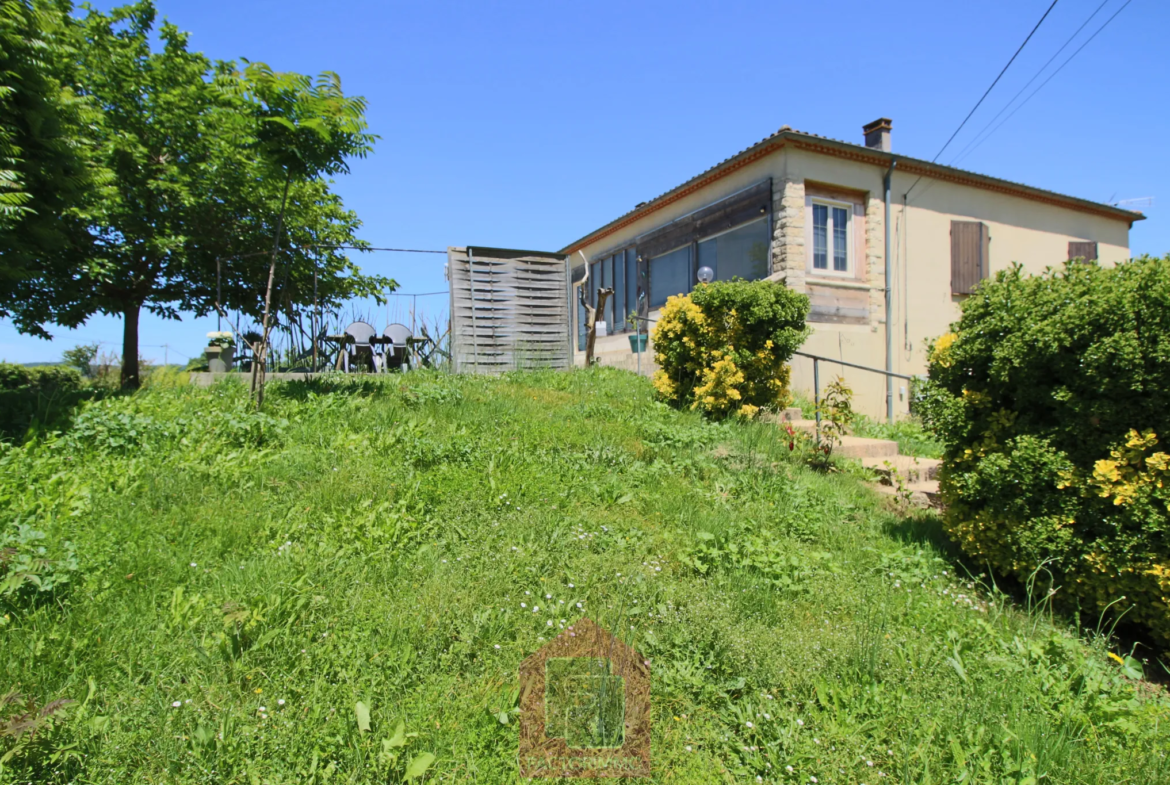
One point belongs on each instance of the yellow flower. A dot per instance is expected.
(1113, 656)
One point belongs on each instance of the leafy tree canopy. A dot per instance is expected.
(208, 164)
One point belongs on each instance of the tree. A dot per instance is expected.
(46, 176)
(188, 147)
(307, 129)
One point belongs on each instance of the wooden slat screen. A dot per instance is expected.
(970, 244)
(509, 310)
(1078, 249)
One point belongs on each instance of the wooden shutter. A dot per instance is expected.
(1078, 249)
(970, 244)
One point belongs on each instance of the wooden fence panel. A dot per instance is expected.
(509, 310)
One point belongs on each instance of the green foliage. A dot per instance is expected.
(27, 573)
(47, 177)
(192, 202)
(236, 599)
(34, 398)
(81, 357)
(724, 348)
(1052, 396)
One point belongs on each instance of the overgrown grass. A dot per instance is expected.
(243, 581)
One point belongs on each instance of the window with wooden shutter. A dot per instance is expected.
(1082, 250)
(970, 262)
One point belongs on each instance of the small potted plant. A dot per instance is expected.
(639, 337)
(220, 351)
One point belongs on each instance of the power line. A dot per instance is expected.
(989, 89)
(1049, 79)
(1029, 82)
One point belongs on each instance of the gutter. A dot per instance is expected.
(889, 301)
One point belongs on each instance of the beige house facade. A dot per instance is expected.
(811, 212)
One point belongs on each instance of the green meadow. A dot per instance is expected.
(342, 589)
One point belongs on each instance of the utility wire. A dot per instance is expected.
(1049, 79)
(989, 89)
(1035, 76)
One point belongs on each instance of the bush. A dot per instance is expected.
(1052, 397)
(32, 397)
(724, 348)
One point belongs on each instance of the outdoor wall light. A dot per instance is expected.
(706, 275)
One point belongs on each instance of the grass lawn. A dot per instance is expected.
(243, 582)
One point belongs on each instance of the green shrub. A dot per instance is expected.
(724, 348)
(32, 397)
(1052, 397)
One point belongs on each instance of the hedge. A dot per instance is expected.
(724, 348)
(1052, 397)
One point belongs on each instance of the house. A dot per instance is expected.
(885, 246)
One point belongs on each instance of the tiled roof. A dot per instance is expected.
(915, 165)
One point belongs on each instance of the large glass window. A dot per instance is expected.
(831, 237)
(619, 292)
(607, 277)
(631, 284)
(739, 253)
(670, 274)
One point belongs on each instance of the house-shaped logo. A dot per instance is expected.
(585, 707)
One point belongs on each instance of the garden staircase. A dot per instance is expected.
(918, 476)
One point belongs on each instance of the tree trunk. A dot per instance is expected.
(130, 378)
(591, 322)
(262, 359)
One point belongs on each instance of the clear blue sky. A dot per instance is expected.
(528, 124)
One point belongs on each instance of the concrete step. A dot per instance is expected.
(860, 447)
(791, 414)
(910, 469)
(922, 494)
(851, 446)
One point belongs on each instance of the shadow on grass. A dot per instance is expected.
(924, 528)
(26, 413)
(334, 384)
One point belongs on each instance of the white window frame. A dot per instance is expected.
(850, 266)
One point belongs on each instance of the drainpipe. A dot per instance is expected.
(889, 301)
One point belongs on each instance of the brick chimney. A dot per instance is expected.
(877, 134)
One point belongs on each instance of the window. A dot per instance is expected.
(970, 244)
(1082, 250)
(670, 274)
(607, 283)
(741, 252)
(831, 245)
(631, 284)
(618, 309)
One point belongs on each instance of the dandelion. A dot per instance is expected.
(176, 704)
(257, 690)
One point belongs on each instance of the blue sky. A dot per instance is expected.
(529, 124)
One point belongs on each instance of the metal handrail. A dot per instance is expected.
(817, 359)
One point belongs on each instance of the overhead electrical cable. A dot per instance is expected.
(1028, 84)
(989, 89)
(1049, 79)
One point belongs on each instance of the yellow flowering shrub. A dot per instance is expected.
(724, 348)
(1052, 396)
